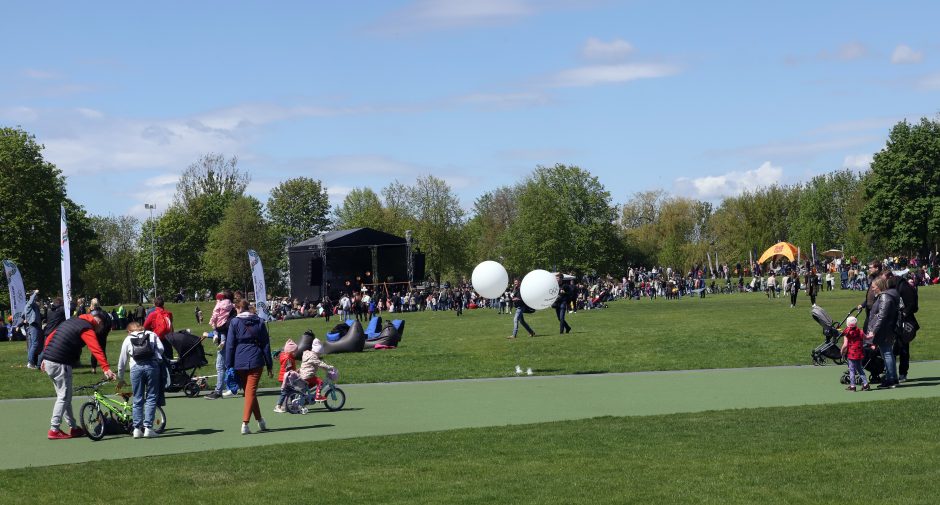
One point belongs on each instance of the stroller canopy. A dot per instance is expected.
(189, 349)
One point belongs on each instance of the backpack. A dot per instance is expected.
(905, 328)
(142, 349)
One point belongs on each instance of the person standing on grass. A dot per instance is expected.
(561, 303)
(852, 350)
(812, 285)
(248, 350)
(33, 320)
(160, 321)
(907, 291)
(145, 374)
(793, 287)
(63, 348)
(520, 311)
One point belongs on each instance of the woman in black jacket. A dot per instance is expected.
(881, 326)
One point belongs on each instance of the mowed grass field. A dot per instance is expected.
(873, 452)
(721, 331)
(798, 455)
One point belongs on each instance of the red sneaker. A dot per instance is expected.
(76, 432)
(320, 398)
(58, 434)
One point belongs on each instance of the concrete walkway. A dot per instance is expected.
(196, 424)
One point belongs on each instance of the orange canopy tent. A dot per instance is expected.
(784, 249)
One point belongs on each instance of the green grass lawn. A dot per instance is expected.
(872, 452)
(723, 331)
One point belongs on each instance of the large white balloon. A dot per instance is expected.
(490, 279)
(539, 289)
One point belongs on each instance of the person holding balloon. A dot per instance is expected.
(520, 306)
(561, 303)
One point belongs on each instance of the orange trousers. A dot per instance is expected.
(248, 380)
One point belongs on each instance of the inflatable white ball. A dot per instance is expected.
(539, 289)
(490, 279)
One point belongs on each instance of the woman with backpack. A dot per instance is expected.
(143, 352)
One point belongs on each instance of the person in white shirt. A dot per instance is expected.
(142, 352)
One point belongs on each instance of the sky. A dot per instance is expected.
(701, 99)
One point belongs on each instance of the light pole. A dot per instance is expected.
(153, 244)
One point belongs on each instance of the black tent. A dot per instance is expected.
(343, 260)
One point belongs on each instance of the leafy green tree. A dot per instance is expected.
(111, 276)
(565, 221)
(212, 176)
(485, 233)
(360, 209)
(903, 189)
(180, 242)
(32, 190)
(298, 209)
(243, 227)
(438, 222)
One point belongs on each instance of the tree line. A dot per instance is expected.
(557, 217)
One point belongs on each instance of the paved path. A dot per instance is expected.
(196, 424)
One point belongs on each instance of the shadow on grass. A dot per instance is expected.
(173, 432)
(924, 379)
(918, 385)
(546, 370)
(325, 411)
(590, 372)
(292, 428)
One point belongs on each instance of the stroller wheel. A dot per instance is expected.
(843, 380)
(191, 389)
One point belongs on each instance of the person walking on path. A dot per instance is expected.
(853, 338)
(248, 350)
(520, 312)
(881, 327)
(793, 287)
(63, 348)
(145, 374)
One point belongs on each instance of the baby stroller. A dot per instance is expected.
(190, 355)
(831, 348)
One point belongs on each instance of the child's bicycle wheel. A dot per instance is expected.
(335, 398)
(92, 420)
(295, 403)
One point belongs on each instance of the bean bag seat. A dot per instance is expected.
(353, 341)
(374, 328)
(304, 343)
(389, 337)
(399, 325)
(339, 330)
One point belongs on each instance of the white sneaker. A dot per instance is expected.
(138, 433)
(227, 393)
(518, 370)
(148, 433)
(245, 430)
(528, 371)
(279, 409)
(261, 425)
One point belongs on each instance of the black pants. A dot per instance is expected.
(812, 298)
(903, 353)
(793, 298)
(560, 311)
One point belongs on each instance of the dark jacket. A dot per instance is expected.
(247, 345)
(884, 316)
(65, 344)
(54, 318)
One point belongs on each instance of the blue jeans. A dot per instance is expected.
(891, 370)
(520, 319)
(145, 378)
(34, 345)
(560, 312)
(220, 371)
(856, 368)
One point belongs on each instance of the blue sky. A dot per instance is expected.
(702, 99)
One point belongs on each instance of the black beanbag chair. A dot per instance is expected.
(388, 337)
(353, 341)
(304, 344)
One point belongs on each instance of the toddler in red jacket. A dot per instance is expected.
(852, 342)
(286, 357)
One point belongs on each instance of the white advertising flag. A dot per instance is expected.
(66, 267)
(17, 294)
(257, 277)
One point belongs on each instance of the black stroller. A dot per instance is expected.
(190, 356)
(830, 349)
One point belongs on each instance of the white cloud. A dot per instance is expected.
(713, 187)
(807, 149)
(882, 123)
(904, 54)
(930, 82)
(858, 161)
(504, 100)
(596, 49)
(612, 74)
(443, 14)
(34, 73)
(846, 52)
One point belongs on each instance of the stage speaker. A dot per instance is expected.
(315, 275)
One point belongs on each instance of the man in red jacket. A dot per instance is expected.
(62, 350)
(160, 321)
